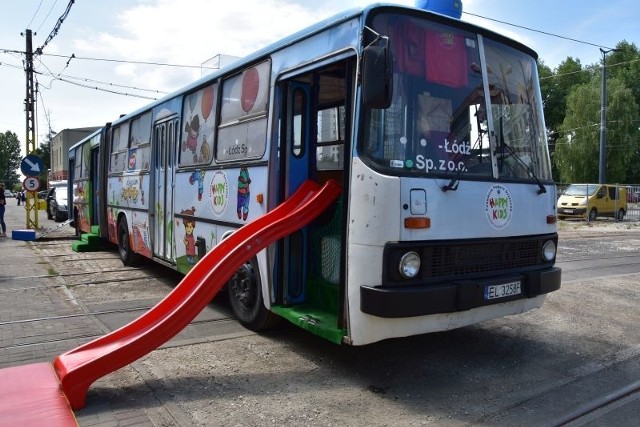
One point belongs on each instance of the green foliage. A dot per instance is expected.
(577, 152)
(572, 103)
(10, 158)
(44, 152)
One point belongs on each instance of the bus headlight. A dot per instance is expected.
(409, 265)
(549, 250)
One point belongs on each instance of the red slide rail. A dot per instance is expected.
(80, 367)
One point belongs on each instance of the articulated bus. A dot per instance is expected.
(432, 127)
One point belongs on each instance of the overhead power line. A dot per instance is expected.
(56, 28)
(538, 31)
(34, 14)
(127, 61)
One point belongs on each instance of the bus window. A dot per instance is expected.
(199, 115)
(299, 122)
(243, 115)
(330, 149)
(119, 148)
(140, 147)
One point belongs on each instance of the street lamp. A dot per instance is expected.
(603, 117)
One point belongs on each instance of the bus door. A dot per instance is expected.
(94, 179)
(314, 141)
(164, 143)
(297, 128)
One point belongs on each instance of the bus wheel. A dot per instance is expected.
(245, 297)
(76, 224)
(127, 255)
(620, 216)
(593, 214)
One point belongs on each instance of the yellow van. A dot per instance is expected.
(589, 201)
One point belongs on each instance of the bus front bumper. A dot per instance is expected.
(395, 302)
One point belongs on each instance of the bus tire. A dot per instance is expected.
(128, 257)
(245, 296)
(76, 224)
(593, 214)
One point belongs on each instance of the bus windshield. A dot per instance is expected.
(452, 89)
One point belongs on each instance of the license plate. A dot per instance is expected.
(502, 290)
(567, 211)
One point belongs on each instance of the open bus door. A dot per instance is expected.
(314, 144)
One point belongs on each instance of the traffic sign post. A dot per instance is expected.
(31, 183)
(31, 166)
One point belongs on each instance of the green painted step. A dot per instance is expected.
(91, 239)
(80, 246)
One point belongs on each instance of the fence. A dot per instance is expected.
(616, 199)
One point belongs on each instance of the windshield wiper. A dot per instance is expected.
(511, 151)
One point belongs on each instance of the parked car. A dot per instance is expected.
(633, 195)
(589, 201)
(57, 201)
(8, 194)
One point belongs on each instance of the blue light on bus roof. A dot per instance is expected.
(452, 8)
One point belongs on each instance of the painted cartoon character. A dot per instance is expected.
(205, 152)
(243, 194)
(192, 128)
(189, 239)
(198, 176)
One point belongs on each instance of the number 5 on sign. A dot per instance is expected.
(31, 183)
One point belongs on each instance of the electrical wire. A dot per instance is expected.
(47, 16)
(34, 14)
(56, 28)
(538, 31)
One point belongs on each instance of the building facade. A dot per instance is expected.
(60, 145)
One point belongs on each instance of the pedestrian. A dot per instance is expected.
(19, 197)
(3, 202)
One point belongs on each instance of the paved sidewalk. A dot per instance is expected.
(39, 319)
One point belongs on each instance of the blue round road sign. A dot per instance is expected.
(31, 165)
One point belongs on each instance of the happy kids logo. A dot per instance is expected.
(498, 206)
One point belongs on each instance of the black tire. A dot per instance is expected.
(128, 257)
(245, 296)
(56, 216)
(49, 215)
(620, 215)
(76, 224)
(593, 214)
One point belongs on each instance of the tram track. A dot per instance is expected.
(599, 407)
(572, 397)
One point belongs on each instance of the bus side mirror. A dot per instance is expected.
(377, 77)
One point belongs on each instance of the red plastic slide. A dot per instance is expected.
(79, 368)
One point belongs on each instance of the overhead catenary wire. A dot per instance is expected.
(547, 33)
(56, 28)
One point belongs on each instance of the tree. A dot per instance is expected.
(555, 87)
(578, 150)
(10, 158)
(44, 152)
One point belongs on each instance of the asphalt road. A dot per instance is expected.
(575, 361)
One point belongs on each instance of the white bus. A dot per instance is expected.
(434, 130)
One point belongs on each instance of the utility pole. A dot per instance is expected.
(30, 108)
(602, 176)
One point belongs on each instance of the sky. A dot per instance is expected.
(138, 49)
